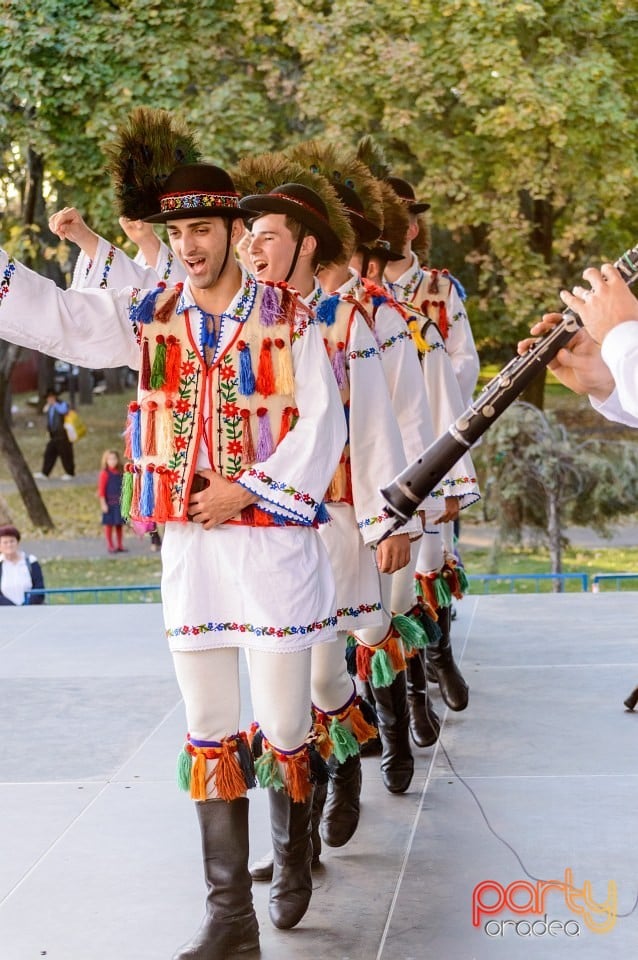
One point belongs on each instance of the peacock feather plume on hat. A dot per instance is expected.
(146, 149)
(342, 169)
(396, 219)
(371, 154)
(263, 173)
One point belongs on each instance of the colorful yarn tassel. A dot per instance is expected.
(443, 323)
(147, 498)
(246, 375)
(289, 305)
(268, 772)
(165, 312)
(265, 382)
(164, 431)
(327, 310)
(158, 370)
(344, 743)
(339, 365)
(184, 770)
(126, 495)
(411, 632)
(144, 311)
(286, 422)
(285, 378)
(150, 440)
(163, 502)
(269, 307)
(247, 446)
(173, 364)
(145, 373)
(419, 341)
(133, 432)
(265, 442)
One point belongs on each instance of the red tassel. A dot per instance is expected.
(163, 504)
(286, 421)
(150, 439)
(364, 659)
(265, 383)
(443, 323)
(288, 306)
(247, 445)
(145, 379)
(173, 364)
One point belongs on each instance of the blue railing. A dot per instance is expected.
(535, 580)
(147, 593)
(615, 578)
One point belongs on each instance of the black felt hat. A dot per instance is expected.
(381, 248)
(365, 229)
(197, 190)
(302, 204)
(405, 192)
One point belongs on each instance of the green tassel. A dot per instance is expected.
(442, 593)
(431, 628)
(418, 588)
(464, 584)
(158, 373)
(411, 632)
(267, 771)
(184, 770)
(126, 496)
(344, 743)
(383, 672)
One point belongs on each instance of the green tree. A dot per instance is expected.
(540, 478)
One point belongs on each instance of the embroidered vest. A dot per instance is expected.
(335, 315)
(248, 394)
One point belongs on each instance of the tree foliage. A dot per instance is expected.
(539, 477)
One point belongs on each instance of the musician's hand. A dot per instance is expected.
(69, 225)
(451, 512)
(221, 500)
(608, 303)
(579, 365)
(394, 553)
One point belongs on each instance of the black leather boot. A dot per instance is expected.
(425, 725)
(230, 925)
(397, 762)
(261, 870)
(440, 659)
(341, 811)
(632, 699)
(291, 886)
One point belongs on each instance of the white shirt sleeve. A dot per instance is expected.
(620, 352)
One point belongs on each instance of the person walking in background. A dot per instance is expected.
(109, 490)
(59, 444)
(19, 572)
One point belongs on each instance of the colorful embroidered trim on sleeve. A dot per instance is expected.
(7, 276)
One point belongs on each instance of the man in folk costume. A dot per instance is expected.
(286, 218)
(368, 202)
(439, 575)
(205, 422)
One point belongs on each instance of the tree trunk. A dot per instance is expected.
(85, 384)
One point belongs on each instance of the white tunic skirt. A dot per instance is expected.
(264, 588)
(355, 572)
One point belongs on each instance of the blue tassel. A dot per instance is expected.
(379, 301)
(136, 433)
(327, 310)
(351, 656)
(460, 289)
(246, 375)
(144, 311)
(322, 515)
(147, 499)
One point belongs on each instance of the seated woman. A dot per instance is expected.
(19, 572)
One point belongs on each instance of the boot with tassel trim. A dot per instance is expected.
(425, 724)
(230, 925)
(440, 660)
(397, 762)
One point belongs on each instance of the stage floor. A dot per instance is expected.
(100, 852)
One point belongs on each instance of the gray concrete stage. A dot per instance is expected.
(100, 852)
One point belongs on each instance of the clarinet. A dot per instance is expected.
(405, 493)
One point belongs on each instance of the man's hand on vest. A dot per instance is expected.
(221, 500)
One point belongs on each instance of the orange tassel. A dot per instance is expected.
(265, 383)
(163, 502)
(288, 306)
(165, 312)
(286, 421)
(297, 774)
(229, 780)
(247, 444)
(394, 650)
(323, 742)
(173, 364)
(198, 777)
(364, 659)
(285, 378)
(150, 445)
(362, 730)
(426, 582)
